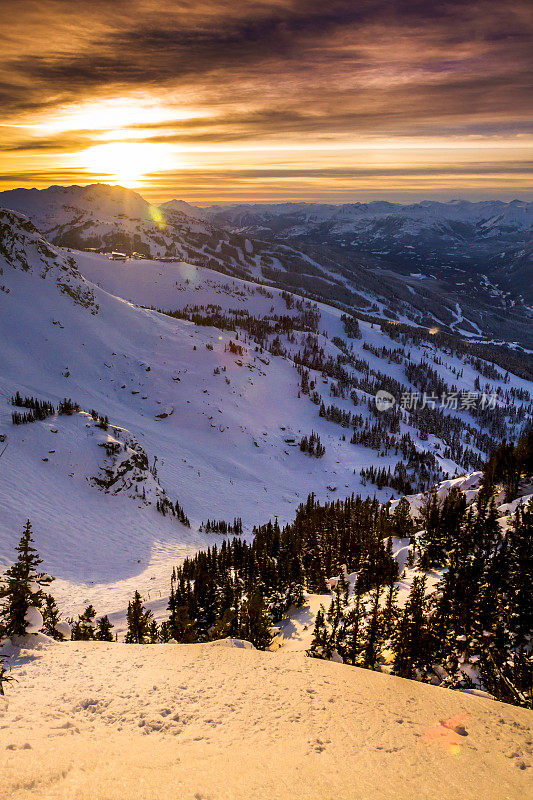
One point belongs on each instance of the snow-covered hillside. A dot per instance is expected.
(94, 215)
(219, 429)
(105, 217)
(117, 422)
(218, 441)
(490, 213)
(91, 719)
(295, 631)
(450, 249)
(430, 263)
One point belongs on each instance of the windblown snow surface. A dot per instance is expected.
(96, 721)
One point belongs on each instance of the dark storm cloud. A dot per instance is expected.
(379, 61)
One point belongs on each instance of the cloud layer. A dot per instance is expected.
(296, 74)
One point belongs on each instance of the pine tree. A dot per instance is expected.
(508, 675)
(318, 647)
(224, 625)
(164, 632)
(181, 627)
(153, 632)
(83, 628)
(335, 615)
(103, 629)
(138, 621)
(255, 622)
(51, 617)
(353, 650)
(390, 611)
(411, 638)
(403, 524)
(23, 586)
(374, 632)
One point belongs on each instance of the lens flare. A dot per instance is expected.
(158, 217)
(446, 733)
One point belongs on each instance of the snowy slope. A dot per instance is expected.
(213, 721)
(214, 424)
(113, 218)
(218, 441)
(414, 261)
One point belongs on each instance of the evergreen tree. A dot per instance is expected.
(402, 522)
(390, 610)
(153, 632)
(103, 629)
(254, 621)
(180, 626)
(164, 632)
(411, 637)
(335, 617)
(353, 648)
(83, 628)
(224, 625)
(139, 621)
(51, 617)
(374, 632)
(22, 586)
(319, 643)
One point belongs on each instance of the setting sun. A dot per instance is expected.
(125, 162)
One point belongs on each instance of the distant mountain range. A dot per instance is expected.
(489, 237)
(465, 267)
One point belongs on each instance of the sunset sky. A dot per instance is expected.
(293, 99)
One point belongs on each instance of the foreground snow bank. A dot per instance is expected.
(97, 720)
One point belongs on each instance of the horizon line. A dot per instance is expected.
(276, 201)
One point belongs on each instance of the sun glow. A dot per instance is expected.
(126, 162)
(106, 115)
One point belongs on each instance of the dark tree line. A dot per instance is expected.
(398, 479)
(312, 445)
(40, 409)
(509, 464)
(240, 588)
(220, 526)
(477, 623)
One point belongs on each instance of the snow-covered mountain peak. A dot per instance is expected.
(413, 262)
(99, 196)
(22, 248)
(182, 207)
